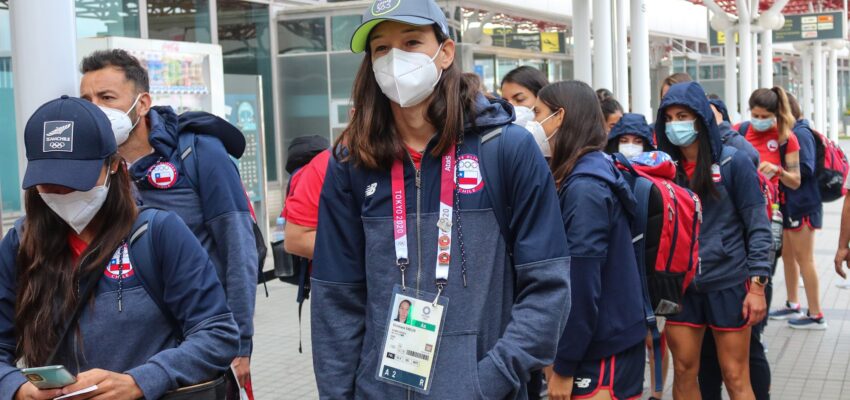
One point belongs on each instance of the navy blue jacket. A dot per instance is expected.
(607, 301)
(498, 328)
(139, 340)
(806, 199)
(735, 233)
(216, 212)
(633, 124)
(732, 138)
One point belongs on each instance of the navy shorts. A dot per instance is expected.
(813, 221)
(621, 375)
(720, 310)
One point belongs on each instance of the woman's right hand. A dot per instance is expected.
(29, 392)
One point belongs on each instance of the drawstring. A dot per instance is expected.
(121, 276)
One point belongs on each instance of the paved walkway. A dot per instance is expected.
(805, 364)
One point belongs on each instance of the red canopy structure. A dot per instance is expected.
(793, 6)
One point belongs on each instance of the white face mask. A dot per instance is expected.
(407, 78)
(121, 124)
(76, 208)
(524, 115)
(630, 150)
(540, 135)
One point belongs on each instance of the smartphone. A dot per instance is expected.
(51, 377)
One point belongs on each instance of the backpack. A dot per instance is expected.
(186, 146)
(831, 165)
(831, 168)
(666, 229)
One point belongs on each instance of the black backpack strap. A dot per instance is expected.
(490, 152)
(743, 128)
(141, 253)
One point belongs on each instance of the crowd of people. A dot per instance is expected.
(457, 244)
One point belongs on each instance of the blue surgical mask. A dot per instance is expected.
(762, 125)
(681, 133)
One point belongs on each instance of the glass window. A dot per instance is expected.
(304, 92)
(342, 28)
(343, 72)
(705, 72)
(302, 36)
(503, 66)
(108, 18)
(184, 21)
(719, 72)
(10, 187)
(484, 67)
(243, 33)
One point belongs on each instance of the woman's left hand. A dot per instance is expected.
(768, 169)
(755, 306)
(560, 387)
(110, 385)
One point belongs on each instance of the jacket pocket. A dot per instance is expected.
(712, 249)
(456, 373)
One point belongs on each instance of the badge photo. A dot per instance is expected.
(468, 174)
(162, 175)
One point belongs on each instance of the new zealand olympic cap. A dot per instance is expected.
(411, 12)
(68, 141)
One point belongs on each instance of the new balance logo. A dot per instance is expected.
(583, 383)
(370, 190)
(58, 130)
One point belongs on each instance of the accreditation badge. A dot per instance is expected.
(414, 327)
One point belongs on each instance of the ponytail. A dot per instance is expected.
(784, 116)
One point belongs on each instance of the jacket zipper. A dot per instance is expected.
(74, 333)
(697, 220)
(674, 217)
(418, 234)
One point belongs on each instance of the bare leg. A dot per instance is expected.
(685, 343)
(733, 350)
(804, 248)
(792, 270)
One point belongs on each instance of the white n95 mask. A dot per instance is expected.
(630, 150)
(120, 120)
(523, 115)
(407, 78)
(540, 135)
(77, 208)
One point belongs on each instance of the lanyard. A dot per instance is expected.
(444, 223)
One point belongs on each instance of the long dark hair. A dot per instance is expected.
(775, 101)
(47, 281)
(583, 128)
(528, 77)
(371, 135)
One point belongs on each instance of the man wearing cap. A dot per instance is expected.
(182, 164)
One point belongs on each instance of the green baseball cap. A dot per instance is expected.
(411, 12)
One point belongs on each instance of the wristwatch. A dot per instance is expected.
(759, 280)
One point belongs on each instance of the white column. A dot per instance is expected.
(745, 44)
(603, 68)
(731, 78)
(833, 95)
(641, 95)
(806, 100)
(582, 59)
(755, 55)
(767, 59)
(819, 95)
(44, 58)
(622, 92)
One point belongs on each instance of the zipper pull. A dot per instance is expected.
(418, 178)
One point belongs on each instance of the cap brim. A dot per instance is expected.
(361, 36)
(80, 175)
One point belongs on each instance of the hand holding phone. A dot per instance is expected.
(50, 377)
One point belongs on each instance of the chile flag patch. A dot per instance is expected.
(120, 268)
(468, 174)
(162, 175)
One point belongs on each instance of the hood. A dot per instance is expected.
(803, 123)
(632, 124)
(163, 134)
(490, 113)
(721, 107)
(601, 166)
(691, 95)
(204, 123)
(302, 150)
(166, 127)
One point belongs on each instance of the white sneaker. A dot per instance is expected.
(843, 284)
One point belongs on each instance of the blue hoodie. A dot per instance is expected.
(217, 213)
(735, 233)
(500, 327)
(633, 124)
(806, 199)
(607, 301)
(139, 340)
(732, 138)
